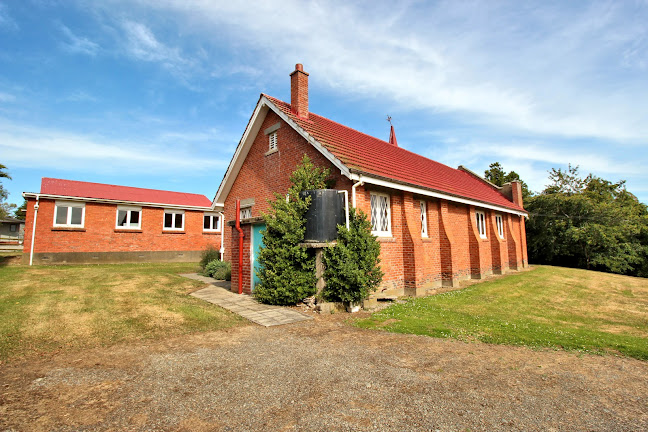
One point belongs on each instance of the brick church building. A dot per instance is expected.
(437, 225)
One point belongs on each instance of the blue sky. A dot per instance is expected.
(157, 93)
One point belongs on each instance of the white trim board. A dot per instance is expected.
(425, 192)
(110, 201)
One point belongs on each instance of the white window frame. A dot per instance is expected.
(173, 212)
(245, 213)
(387, 198)
(129, 213)
(214, 220)
(272, 141)
(499, 221)
(70, 205)
(480, 218)
(424, 227)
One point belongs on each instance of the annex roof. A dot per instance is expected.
(362, 153)
(101, 191)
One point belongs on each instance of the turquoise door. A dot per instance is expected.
(257, 242)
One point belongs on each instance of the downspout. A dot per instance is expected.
(240, 260)
(33, 238)
(222, 226)
(346, 206)
(353, 190)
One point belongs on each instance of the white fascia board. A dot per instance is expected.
(344, 170)
(109, 201)
(379, 182)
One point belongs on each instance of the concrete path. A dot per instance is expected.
(244, 305)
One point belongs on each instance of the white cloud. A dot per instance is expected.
(545, 68)
(78, 45)
(6, 97)
(143, 45)
(32, 147)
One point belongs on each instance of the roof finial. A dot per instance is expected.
(392, 133)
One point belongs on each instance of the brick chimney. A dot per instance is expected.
(299, 91)
(513, 191)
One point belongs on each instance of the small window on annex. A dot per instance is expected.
(69, 214)
(481, 224)
(129, 218)
(13, 227)
(174, 220)
(500, 225)
(211, 222)
(380, 214)
(424, 229)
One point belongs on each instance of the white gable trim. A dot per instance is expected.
(250, 134)
(425, 192)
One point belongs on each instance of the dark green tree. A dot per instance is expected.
(588, 222)
(352, 267)
(20, 211)
(287, 270)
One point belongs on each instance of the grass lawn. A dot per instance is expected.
(50, 308)
(544, 307)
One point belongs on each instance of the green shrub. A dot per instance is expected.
(352, 267)
(208, 255)
(221, 270)
(287, 270)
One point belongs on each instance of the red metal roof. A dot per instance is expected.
(363, 153)
(79, 189)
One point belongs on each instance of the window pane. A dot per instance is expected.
(77, 213)
(134, 218)
(207, 222)
(121, 218)
(61, 215)
(168, 220)
(217, 222)
(178, 221)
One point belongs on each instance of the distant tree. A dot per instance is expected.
(5, 208)
(21, 211)
(496, 175)
(588, 222)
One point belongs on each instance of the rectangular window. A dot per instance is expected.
(481, 224)
(211, 222)
(129, 218)
(272, 139)
(500, 225)
(380, 214)
(69, 214)
(13, 227)
(246, 213)
(424, 232)
(173, 220)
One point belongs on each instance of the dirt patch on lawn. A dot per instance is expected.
(322, 375)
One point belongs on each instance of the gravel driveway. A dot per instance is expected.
(323, 375)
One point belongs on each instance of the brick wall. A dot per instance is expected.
(100, 235)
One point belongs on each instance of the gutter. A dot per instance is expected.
(353, 192)
(33, 238)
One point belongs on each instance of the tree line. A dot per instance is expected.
(583, 221)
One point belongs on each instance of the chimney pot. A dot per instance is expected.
(299, 67)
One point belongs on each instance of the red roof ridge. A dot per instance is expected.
(391, 146)
(352, 147)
